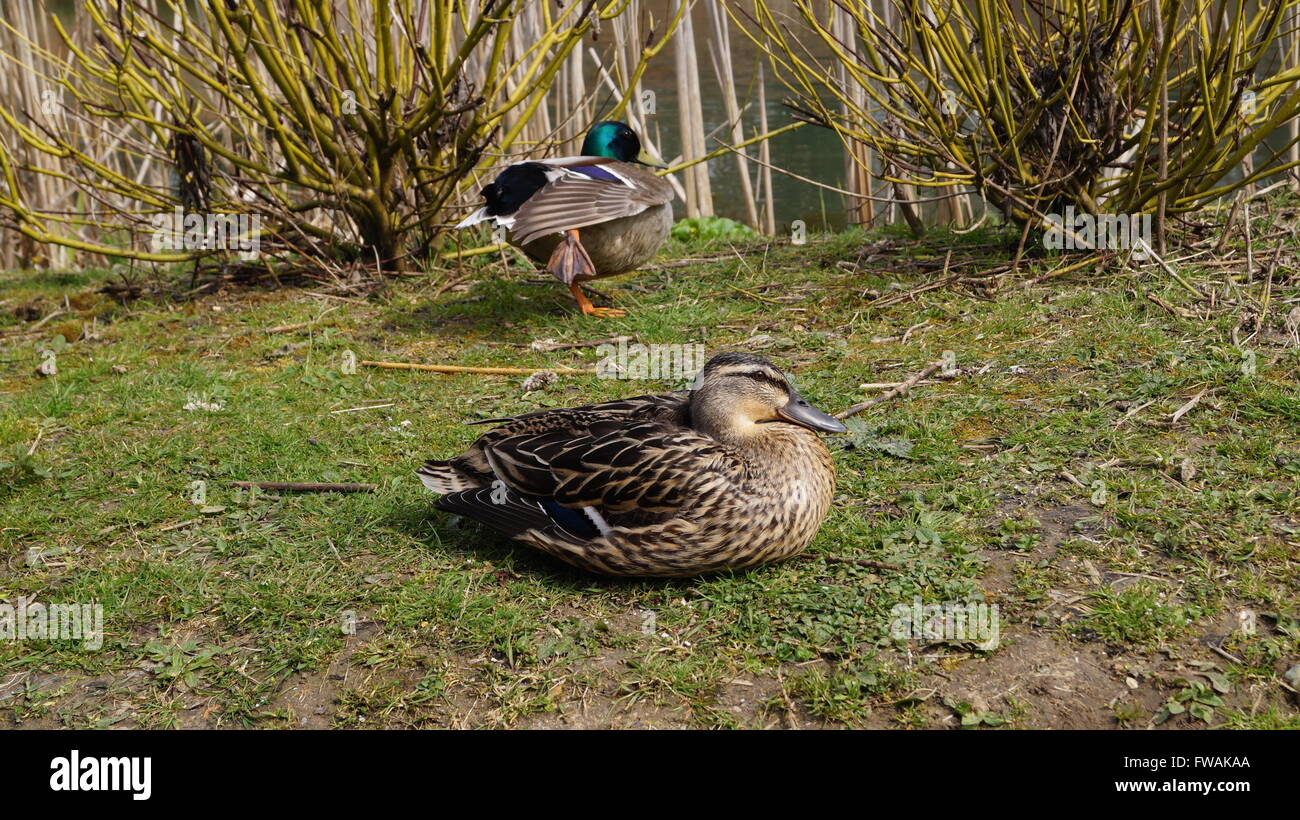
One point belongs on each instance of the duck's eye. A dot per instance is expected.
(766, 378)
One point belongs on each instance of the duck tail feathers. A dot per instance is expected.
(442, 477)
(481, 215)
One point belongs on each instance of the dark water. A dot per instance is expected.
(809, 151)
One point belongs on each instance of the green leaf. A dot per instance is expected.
(900, 447)
(711, 227)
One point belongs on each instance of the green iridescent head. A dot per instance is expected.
(616, 141)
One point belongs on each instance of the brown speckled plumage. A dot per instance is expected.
(665, 485)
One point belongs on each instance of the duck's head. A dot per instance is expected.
(616, 141)
(737, 394)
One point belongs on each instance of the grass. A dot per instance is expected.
(1136, 614)
(1047, 478)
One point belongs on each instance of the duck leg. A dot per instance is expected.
(592, 293)
(588, 308)
(570, 262)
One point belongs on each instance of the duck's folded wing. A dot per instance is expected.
(500, 508)
(585, 195)
(575, 423)
(620, 475)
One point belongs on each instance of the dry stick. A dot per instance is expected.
(764, 155)
(892, 394)
(307, 486)
(1268, 287)
(1250, 248)
(885, 301)
(1064, 269)
(179, 524)
(891, 385)
(1227, 228)
(547, 346)
(1180, 313)
(753, 295)
(449, 284)
(1182, 411)
(490, 371)
(365, 407)
(46, 319)
(1169, 270)
(720, 56)
(271, 331)
(40, 431)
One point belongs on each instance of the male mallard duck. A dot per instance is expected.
(726, 475)
(621, 208)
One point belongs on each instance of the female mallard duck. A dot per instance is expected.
(726, 475)
(621, 208)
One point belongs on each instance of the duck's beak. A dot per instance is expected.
(646, 158)
(799, 411)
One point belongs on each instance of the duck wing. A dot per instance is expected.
(617, 474)
(630, 474)
(471, 469)
(584, 191)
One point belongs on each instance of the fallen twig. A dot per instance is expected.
(546, 345)
(892, 394)
(1070, 477)
(946, 279)
(1174, 311)
(1073, 266)
(271, 331)
(307, 486)
(40, 431)
(449, 284)
(179, 524)
(319, 295)
(461, 254)
(1182, 411)
(1169, 270)
(889, 385)
(490, 371)
(753, 295)
(46, 319)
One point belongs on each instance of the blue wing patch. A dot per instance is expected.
(575, 521)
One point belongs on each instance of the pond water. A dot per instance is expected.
(809, 151)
